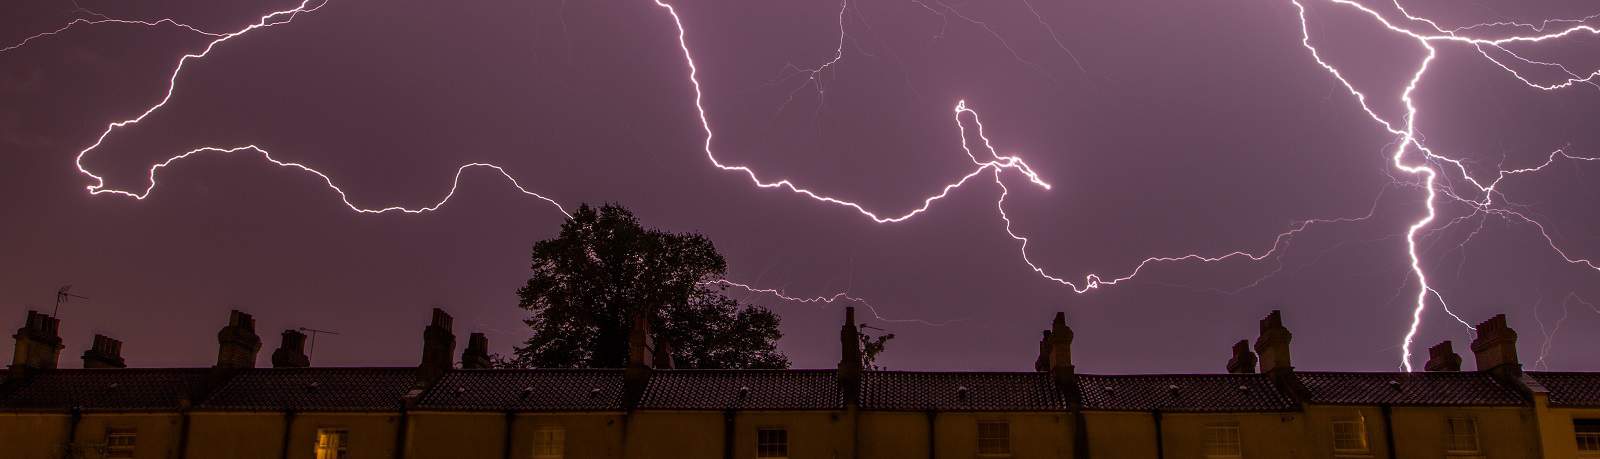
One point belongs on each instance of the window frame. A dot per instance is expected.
(340, 449)
(1586, 428)
(1451, 435)
(1004, 439)
(772, 447)
(1360, 423)
(114, 449)
(1218, 446)
(547, 438)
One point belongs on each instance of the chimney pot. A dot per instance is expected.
(1243, 360)
(1496, 346)
(292, 353)
(104, 353)
(38, 345)
(1442, 357)
(476, 356)
(438, 347)
(1272, 346)
(238, 342)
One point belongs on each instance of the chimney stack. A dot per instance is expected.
(850, 359)
(1496, 347)
(38, 345)
(1060, 339)
(1243, 360)
(476, 356)
(1442, 357)
(641, 360)
(1042, 363)
(292, 353)
(105, 353)
(663, 354)
(438, 347)
(1272, 347)
(237, 342)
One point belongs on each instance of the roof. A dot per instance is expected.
(526, 390)
(142, 389)
(743, 389)
(1182, 393)
(1570, 389)
(1433, 388)
(960, 391)
(314, 389)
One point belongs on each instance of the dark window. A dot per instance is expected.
(1588, 435)
(772, 442)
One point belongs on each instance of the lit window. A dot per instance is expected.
(1588, 434)
(1222, 441)
(120, 443)
(549, 443)
(994, 438)
(772, 442)
(1461, 436)
(333, 443)
(1350, 434)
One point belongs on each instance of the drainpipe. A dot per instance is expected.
(1388, 430)
(505, 445)
(1161, 447)
(183, 433)
(728, 427)
(72, 432)
(288, 428)
(400, 433)
(931, 414)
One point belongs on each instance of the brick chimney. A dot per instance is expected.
(38, 345)
(1042, 363)
(476, 356)
(1243, 360)
(663, 354)
(1273, 345)
(641, 358)
(438, 347)
(1441, 357)
(105, 353)
(850, 359)
(292, 353)
(1060, 341)
(1496, 347)
(237, 342)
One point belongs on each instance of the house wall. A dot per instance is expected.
(1318, 431)
(812, 434)
(450, 435)
(33, 434)
(155, 434)
(239, 435)
(674, 434)
(1503, 432)
(1121, 434)
(1261, 435)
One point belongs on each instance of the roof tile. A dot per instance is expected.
(526, 390)
(314, 389)
(1182, 393)
(1570, 389)
(960, 391)
(743, 389)
(120, 389)
(1440, 388)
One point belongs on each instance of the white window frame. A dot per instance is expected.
(1359, 425)
(339, 448)
(1586, 432)
(1451, 435)
(549, 442)
(1224, 440)
(1004, 449)
(767, 447)
(115, 448)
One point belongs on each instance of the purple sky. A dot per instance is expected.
(1167, 128)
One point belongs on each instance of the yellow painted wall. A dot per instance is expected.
(28, 435)
(372, 435)
(235, 435)
(588, 435)
(1318, 430)
(674, 434)
(893, 434)
(812, 434)
(1033, 435)
(1121, 435)
(1503, 432)
(1262, 435)
(446, 435)
(1556, 431)
(156, 434)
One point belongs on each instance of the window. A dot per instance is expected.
(549, 443)
(120, 443)
(1222, 441)
(1350, 434)
(772, 442)
(333, 443)
(1461, 436)
(994, 438)
(1588, 434)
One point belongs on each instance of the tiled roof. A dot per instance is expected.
(314, 389)
(1570, 389)
(526, 390)
(105, 389)
(743, 389)
(964, 391)
(1440, 388)
(1182, 393)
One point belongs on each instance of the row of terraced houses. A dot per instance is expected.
(1261, 408)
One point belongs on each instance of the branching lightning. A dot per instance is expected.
(1486, 199)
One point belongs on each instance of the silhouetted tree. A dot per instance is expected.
(604, 267)
(872, 346)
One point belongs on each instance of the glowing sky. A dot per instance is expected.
(1207, 146)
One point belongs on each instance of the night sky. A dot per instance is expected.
(1166, 128)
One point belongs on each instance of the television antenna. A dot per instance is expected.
(64, 294)
(314, 332)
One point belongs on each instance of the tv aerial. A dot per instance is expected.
(314, 332)
(64, 294)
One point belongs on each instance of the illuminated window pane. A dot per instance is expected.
(333, 443)
(1461, 436)
(1350, 434)
(1222, 441)
(549, 443)
(120, 443)
(994, 437)
(772, 442)
(1588, 436)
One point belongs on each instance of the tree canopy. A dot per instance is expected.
(589, 281)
